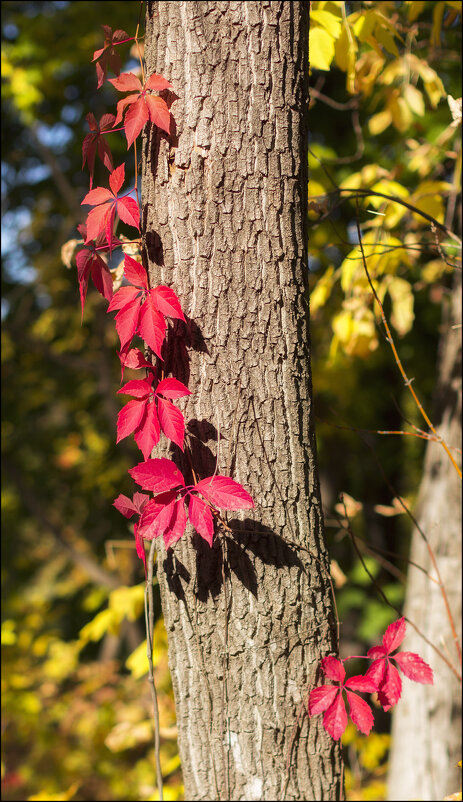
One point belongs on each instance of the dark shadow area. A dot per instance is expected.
(231, 553)
(175, 571)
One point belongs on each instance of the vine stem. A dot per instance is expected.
(149, 621)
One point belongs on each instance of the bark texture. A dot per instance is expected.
(426, 733)
(224, 221)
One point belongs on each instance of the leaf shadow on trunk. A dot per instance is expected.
(230, 552)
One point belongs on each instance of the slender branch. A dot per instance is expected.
(389, 338)
(379, 589)
(149, 620)
(356, 193)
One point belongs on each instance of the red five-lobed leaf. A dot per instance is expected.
(161, 475)
(148, 413)
(106, 202)
(329, 699)
(141, 310)
(385, 674)
(143, 106)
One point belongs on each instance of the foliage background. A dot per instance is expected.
(76, 704)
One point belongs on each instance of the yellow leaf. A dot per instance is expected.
(379, 122)
(127, 602)
(415, 9)
(428, 198)
(137, 662)
(387, 40)
(48, 797)
(316, 190)
(321, 48)
(388, 188)
(357, 336)
(105, 621)
(435, 91)
(8, 632)
(322, 290)
(364, 25)
(402, 316)
(400, 112)
(128, 735)
(434, 270)
(344, 47)
(415, 99)
(329, 21)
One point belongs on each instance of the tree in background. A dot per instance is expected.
(399, 63)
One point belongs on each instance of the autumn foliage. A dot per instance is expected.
(143, 311)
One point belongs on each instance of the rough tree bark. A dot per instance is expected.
(426, 734)
(224, 222)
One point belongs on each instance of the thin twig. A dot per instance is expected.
(225, 722)
(348, 529)
(389, 338)
(149, 620)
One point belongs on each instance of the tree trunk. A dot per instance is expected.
(225, 212)
(426, 733)
(224, 222)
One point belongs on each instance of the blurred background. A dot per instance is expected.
(76, 704)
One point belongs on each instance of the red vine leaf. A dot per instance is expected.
(224, 493)
(130, 507)
(385, 674)
(154, 414)
(143, 107)
(157, 475)
(142, 310)
(329, 699)
(94, 143)
(106, 202)
(90, 263)
(107, 57)
(160, 475)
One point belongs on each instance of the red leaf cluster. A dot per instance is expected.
(106, 202)
(143, 106)
(150, 412)
(90, 263)
(381, 677)
(143, 310)
(166, 515)
(107, 57)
